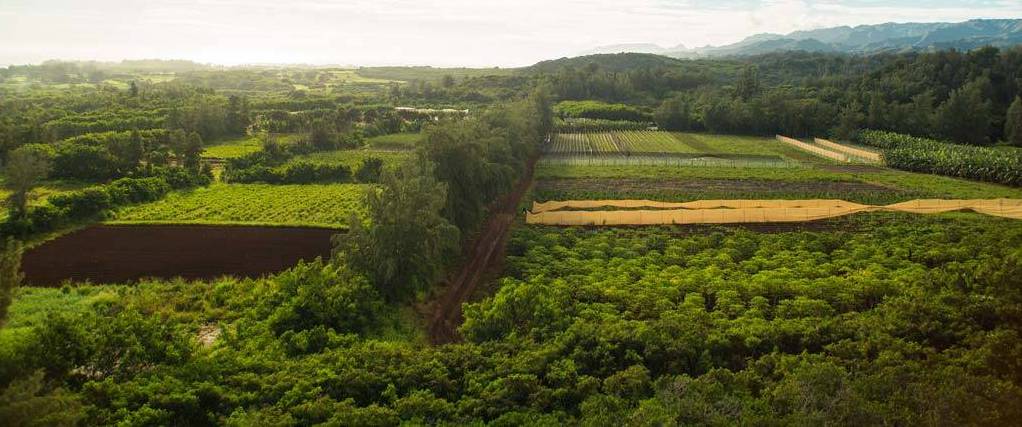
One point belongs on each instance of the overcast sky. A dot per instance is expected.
(423, 32)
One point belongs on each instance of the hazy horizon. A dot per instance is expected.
(436, 33)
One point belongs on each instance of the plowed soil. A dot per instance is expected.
(118, 254)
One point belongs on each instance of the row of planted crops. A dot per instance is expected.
(646, 147)
(621, 142)
(905, 152)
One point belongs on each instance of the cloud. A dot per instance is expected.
(438, 32)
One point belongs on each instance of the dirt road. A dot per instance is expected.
(486, 251)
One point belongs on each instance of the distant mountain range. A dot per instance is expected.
(863, 39)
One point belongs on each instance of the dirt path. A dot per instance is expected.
(485, 252)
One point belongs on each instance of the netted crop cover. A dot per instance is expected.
(648, 212)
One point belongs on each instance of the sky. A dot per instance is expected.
(477, 33)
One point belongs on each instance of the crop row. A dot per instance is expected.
(324, 205)
(625, 142)
(926, 155)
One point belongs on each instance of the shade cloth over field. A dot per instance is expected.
(819, 151)
(647, 212)
(865, 155)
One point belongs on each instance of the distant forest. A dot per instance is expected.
(962, 97)
(958, 96)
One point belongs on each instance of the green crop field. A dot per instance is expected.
(329, 205)
(651, 142)
(234, 148)
(395, 141)
(904, 183)
(239, 147)
(734, 144)
(354, 158)
(651, 148)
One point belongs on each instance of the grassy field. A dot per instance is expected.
(396, 141)
(238, 147)
(354, 158)
(234, 148)
(734, 144)
(653, 148)
(328, 205)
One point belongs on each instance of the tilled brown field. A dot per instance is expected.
(117, 254)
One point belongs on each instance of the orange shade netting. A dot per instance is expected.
(870, 156)
(647, 212)
(819, 151)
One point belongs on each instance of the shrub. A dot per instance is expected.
(370, 170)
(600, 110)
(140, 190)
(83, 203)
(325, 294)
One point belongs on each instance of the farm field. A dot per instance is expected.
(98, 254)
(313, 205)
(622, 148)
(613, 239)
(683, 190)
(353, 158)
(240, 147)
(395, 141)
(234, 148)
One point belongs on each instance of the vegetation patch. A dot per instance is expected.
(713, 189)
(395, 141)
(318, 205)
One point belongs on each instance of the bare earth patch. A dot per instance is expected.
(117, 254)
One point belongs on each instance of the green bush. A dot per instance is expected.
(83, 203)
(601, 110)
(88, 202)
(323, 294)
(370, 170)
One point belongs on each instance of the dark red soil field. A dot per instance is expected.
(117, 254)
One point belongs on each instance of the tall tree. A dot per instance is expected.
(10, 275)
(674, 114)
(26, 166)
(965, 116)
(193, 152)
(405, 241)
(850, 121)
(1013, 123)
(748, 83)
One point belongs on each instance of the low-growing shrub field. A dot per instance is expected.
(655, 148)
(354, 158)
(234, 148)
(915, 154)
(327, 205)
(396, 141)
